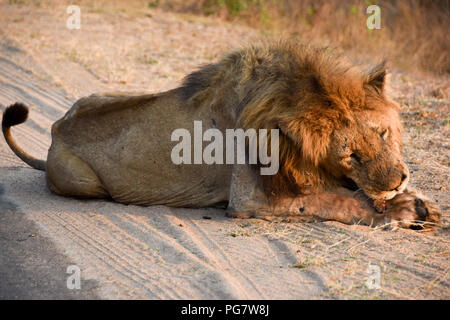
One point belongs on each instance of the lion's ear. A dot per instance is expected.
(311, 134)
(376, 76)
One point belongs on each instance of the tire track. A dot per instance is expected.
(220, 260)
(185, 249)
(123, 262)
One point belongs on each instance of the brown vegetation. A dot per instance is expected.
(414, 34)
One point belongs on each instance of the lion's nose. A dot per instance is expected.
(404, 176)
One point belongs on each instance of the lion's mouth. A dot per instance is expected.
(377, 204)
(349, 184)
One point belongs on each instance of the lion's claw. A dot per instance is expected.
(413, 210)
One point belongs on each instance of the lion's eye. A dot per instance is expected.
(355, 157)
(384, 135)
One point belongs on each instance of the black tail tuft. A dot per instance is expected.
(14, 114)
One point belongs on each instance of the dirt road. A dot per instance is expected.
(165, 253)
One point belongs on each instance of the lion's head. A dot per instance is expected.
(367, 153)
(337, 125)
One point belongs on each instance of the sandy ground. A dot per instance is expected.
(160, 252)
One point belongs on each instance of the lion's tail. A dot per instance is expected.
(13, 115)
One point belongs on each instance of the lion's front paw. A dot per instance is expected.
(413, 210)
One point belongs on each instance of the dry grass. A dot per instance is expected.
(414, 34)
(342, 254)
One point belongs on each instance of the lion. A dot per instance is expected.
(339, 142)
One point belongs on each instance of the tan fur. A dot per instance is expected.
(337, 129)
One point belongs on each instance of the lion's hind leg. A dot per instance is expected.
(69, 175)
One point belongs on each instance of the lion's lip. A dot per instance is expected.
(375, 201)
(382, 196)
